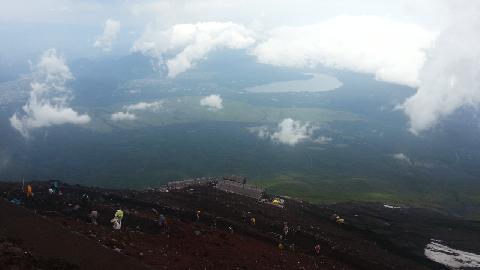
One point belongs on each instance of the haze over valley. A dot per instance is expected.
(329, 102)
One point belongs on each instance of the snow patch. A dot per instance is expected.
(452, 258)
(391, 206)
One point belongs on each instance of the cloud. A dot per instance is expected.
(292, 132)
(288, 131)
(121, 116)
(430, 46)
(402, 157)
(263, 132)
(110, 33)
(322, 140)
(299, 12)
(141, 106)
(191, 42)
(450, 78)
(391, 50)
(213, 102)
(49, 97)
(391, 41)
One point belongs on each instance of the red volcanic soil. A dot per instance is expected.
(47, 239)
(53, 232)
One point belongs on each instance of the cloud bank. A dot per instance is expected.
(396, 47)
(128, 113)
(48, 103)
(441, 63)
(191, 42)
(392, 51)
(450, 78)
(213, 102)
(110, 33)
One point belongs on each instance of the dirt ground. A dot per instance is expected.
(56, 231)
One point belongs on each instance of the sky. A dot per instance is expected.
(429, 45)
(71, 25)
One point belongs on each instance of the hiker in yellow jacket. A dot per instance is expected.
(117, 220)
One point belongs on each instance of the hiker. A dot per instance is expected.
(93, 217)
(117, 224)
(29, 191)
(252, 221)
(85, 199)
(119, 214)
(285, 228)
(117, 220)
(55, 187)
(339, 220)
(162, 222)
(317, 249)
(166, 225)
(197, 215)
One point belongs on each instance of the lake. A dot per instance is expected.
(317, 83)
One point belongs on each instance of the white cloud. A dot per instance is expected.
(292, 132)
(402, 157)
(289, 132)
(430, 45)
(49, 97)
(322, 140)
(393, 51)
(213, 102)
(385, 38)
(299, 12)
(191, 42)
(121, 116)
(141, 106)
(450, 78)
(261, 131)
(110, 33)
